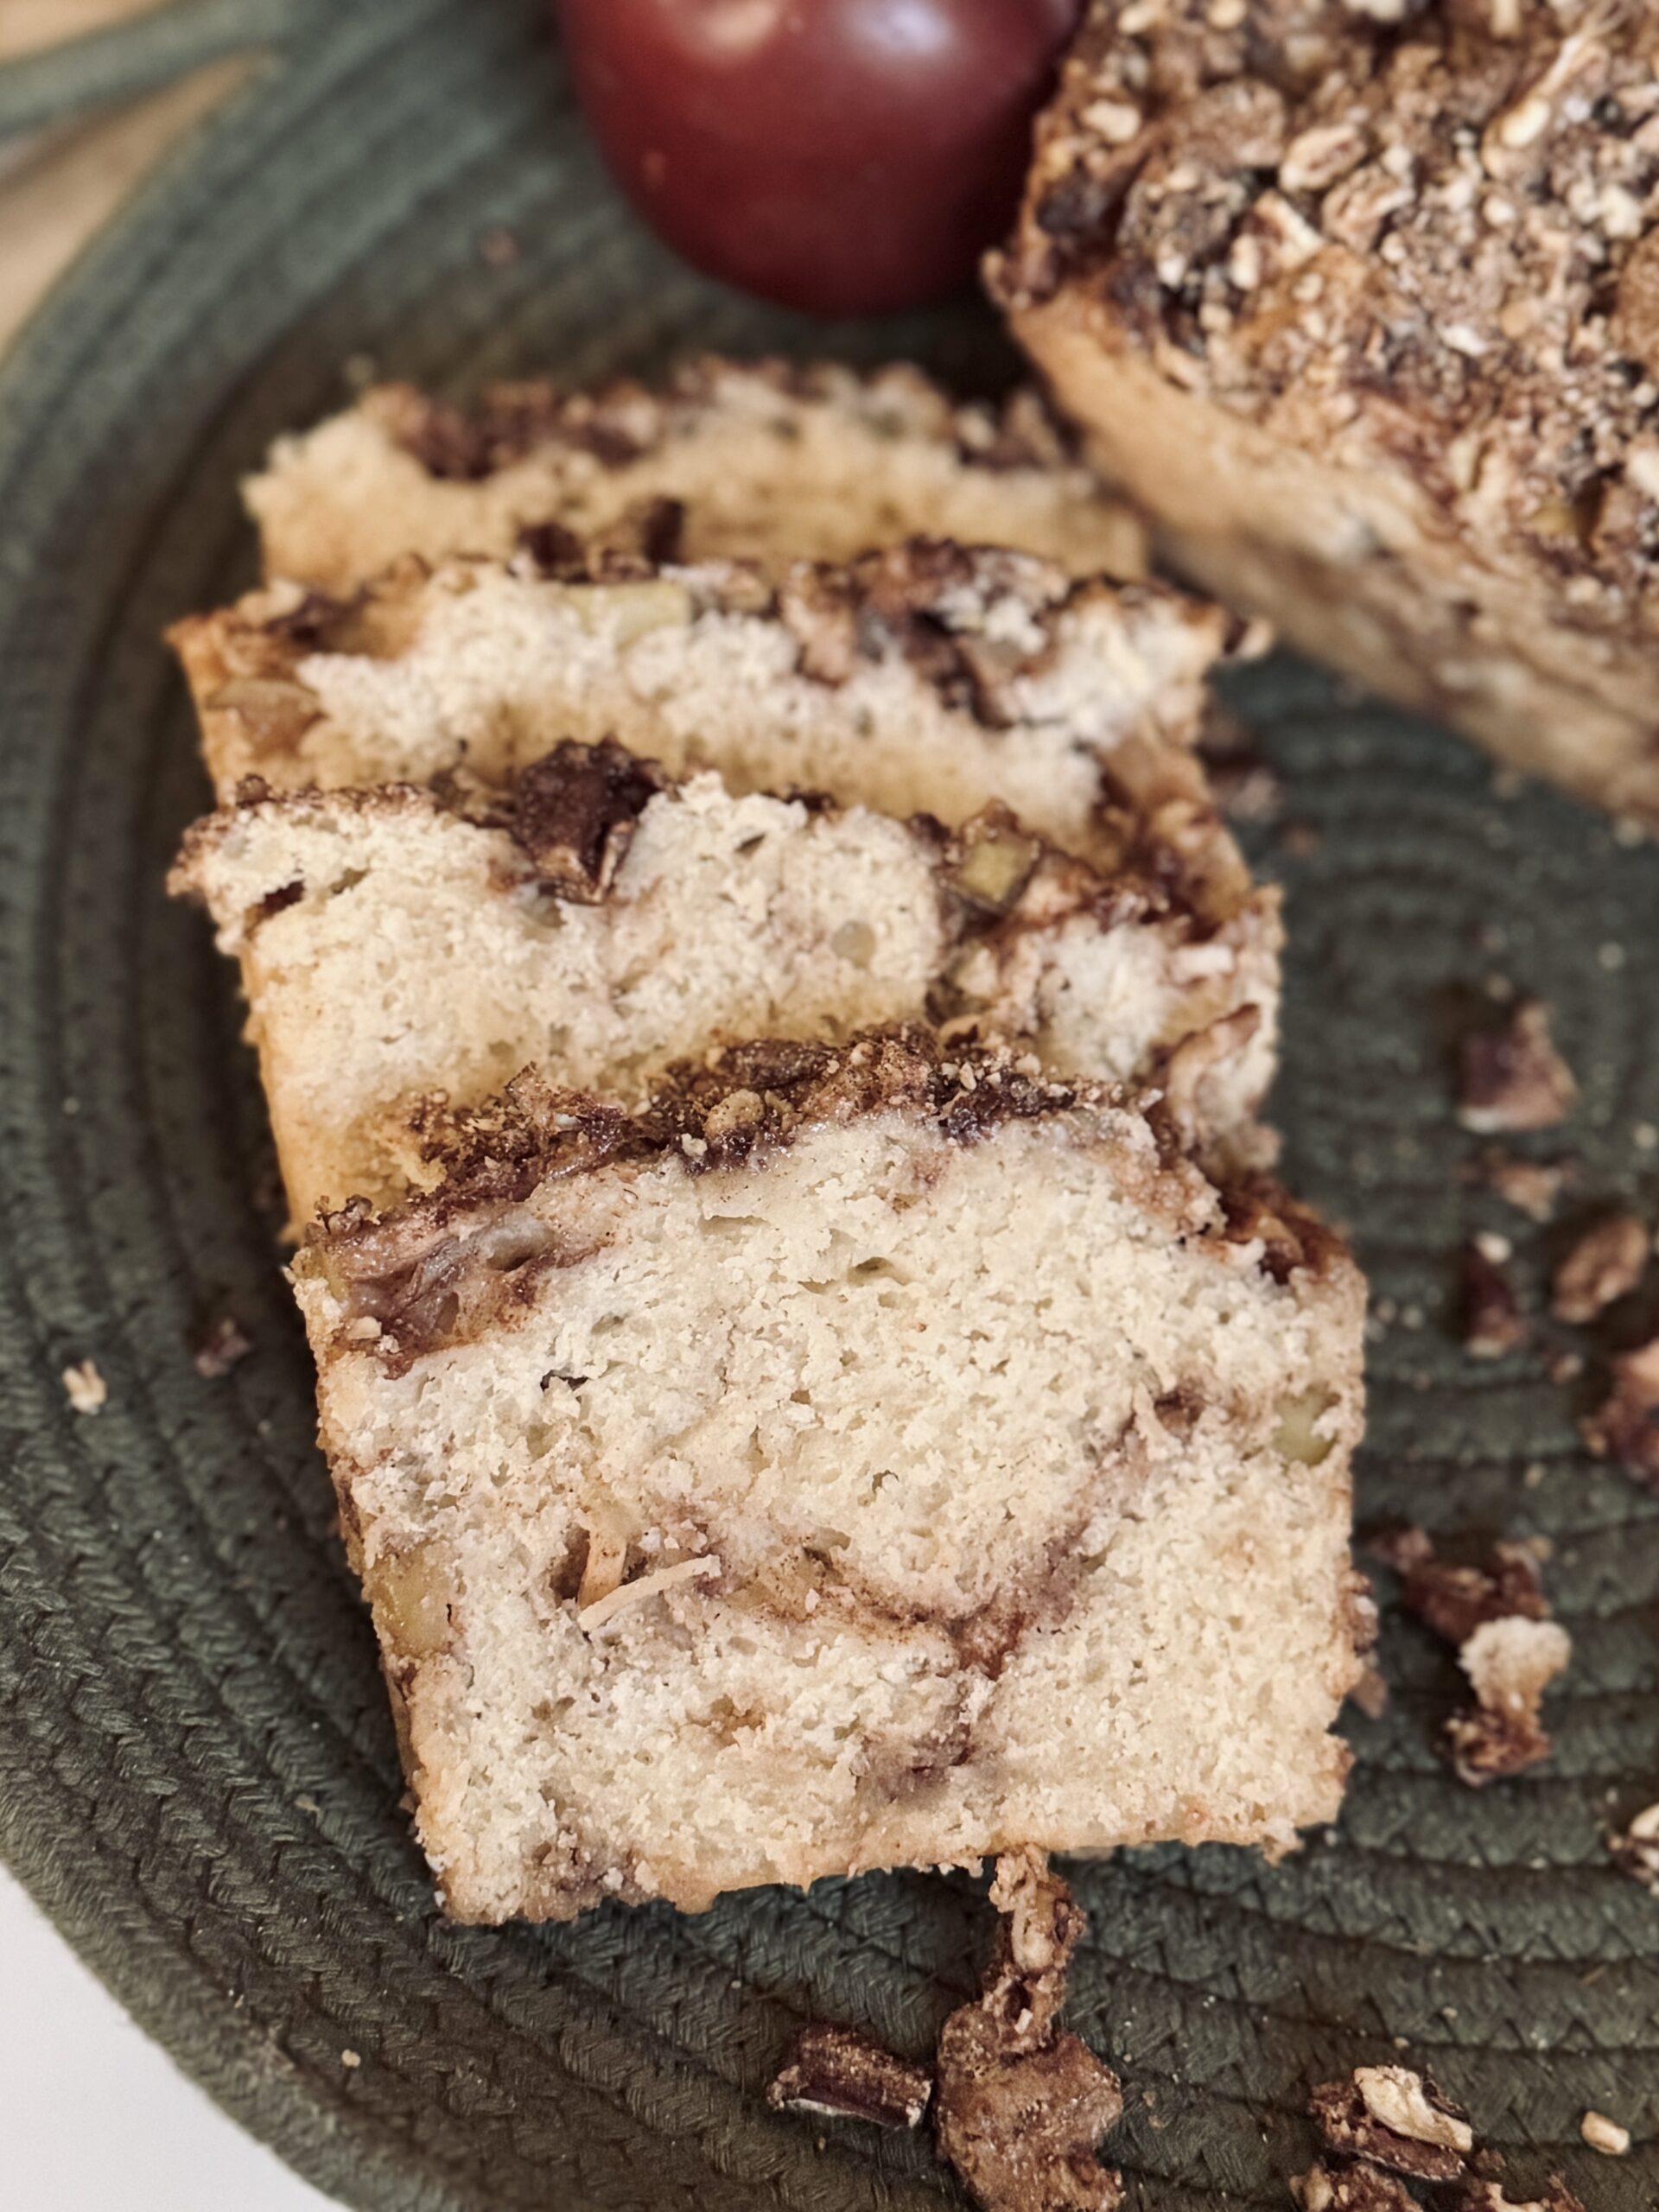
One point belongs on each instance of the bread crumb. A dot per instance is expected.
(85, 1386)
(1605, 2135)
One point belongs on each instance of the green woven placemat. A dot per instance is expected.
(197, 1774)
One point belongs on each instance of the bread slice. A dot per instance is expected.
(767, 460)
(859, 1458)
(1361, 303)
(928, 679)
(595, 918)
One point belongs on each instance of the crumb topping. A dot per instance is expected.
(1418, 234)
(1021, 2104)
(841, 2074)
(623, 421)
(1390, 2117)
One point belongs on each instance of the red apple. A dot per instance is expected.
(842, 156)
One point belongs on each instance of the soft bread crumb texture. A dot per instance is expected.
(1360, 304)
(769, 461)
(391, 947)
(1098, 690)
(1012, 1490)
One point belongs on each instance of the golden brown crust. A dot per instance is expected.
(625, 420)
(1413, 236)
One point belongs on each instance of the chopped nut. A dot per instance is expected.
(1634, 1850)
(1019, 2106)
(1487, 2196)
(1605, 1264)
(1493, 1324)
(1317, 157)
(1510, 1663)
(1350, 2189)
(222, 1344)
(85, 1386)
(1395, 2118)
(1605, 2135)
(1531, 1187)
(841, 2074)
(1625, 1426)
(575, 810)
(1513, 1078)
(1454, 1599)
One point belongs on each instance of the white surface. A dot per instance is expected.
(93, 2117)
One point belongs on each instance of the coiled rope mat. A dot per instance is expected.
(197, 1776)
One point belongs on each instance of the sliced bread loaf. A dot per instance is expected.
(931, 678)
(772, 459)
(859, 1457)
(603, 923)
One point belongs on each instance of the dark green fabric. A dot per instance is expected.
(197, 1776)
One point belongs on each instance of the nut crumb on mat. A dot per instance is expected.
(84, 1388)
(1513, 1079)
(1019, 2104)
(1625, 1426)
(1391, 2116)
(1605, 1263)
(835, 2072)
(1605, 2135)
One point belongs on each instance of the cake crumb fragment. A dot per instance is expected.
(1509, 1664)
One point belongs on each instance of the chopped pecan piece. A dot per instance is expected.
(1531, 1187)
(1350, 2189)
(1513, 1078)
(1493, 1324)
(574, 812)
(1634, 1850)
(1625, 1426)
(843, 2075)
(1454, 1599)
(1392, 2117)
(1020, 2106)
(1605, 1263)
(1489, 2197)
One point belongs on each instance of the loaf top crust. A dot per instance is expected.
(1417, 237)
